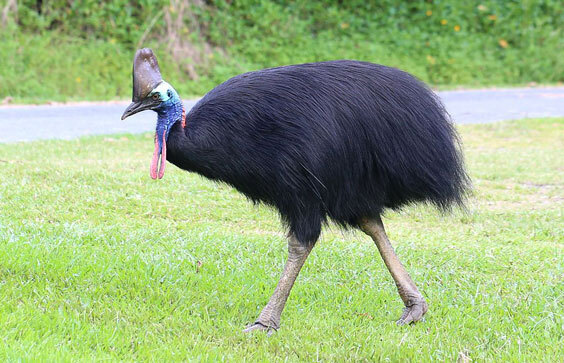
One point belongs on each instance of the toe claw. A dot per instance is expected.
(259, 326)
(413, 313)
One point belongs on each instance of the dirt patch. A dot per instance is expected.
(536, 196)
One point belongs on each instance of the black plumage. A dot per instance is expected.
(339, 140)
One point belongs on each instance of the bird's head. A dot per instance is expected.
(150, 92)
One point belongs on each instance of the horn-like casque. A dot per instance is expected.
(146, 73)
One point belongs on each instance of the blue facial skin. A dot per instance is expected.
(169, 111)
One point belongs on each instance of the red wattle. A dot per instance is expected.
(155, 161)
(163, 158)
(183, 117)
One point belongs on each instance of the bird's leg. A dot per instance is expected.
(269, 318)
(415, 305)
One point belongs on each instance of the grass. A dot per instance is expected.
(46, 73)
(97, 262)
(66, 51)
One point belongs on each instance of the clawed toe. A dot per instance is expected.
(259, 326)
(413, 313)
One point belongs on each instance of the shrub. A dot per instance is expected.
(204, 42)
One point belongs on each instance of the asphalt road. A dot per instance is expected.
(27, 123)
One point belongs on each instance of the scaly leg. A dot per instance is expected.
(415, 305)
(269, 318)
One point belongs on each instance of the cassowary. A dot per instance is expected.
(338, 140)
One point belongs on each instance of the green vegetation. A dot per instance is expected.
(62, 50)
(97, 261)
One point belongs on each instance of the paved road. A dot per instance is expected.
(26, 123)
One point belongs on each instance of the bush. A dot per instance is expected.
(202, 43)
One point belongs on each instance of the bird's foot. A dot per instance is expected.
(260, 326)
(414, 312)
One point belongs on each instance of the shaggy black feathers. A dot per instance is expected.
(339, 139)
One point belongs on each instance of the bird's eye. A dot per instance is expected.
(156, 97)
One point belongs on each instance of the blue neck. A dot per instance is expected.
(170, 112)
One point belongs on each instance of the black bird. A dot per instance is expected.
(340, 140)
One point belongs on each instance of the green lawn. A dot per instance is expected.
(98, 261)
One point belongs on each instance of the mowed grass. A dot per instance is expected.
(98, 261)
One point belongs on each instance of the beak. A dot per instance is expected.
(134, 107)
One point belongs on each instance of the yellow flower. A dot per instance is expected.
(503, 43)
(444, 22)
(113, 41)
(457, 28)
(492, 17)
(431, 59)
(78, 80)
(428, 13)
(344, 25)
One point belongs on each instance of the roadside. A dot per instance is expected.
(18, 102)
(75, 119)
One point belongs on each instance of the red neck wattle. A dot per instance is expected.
(156, 171)
(160, 152)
